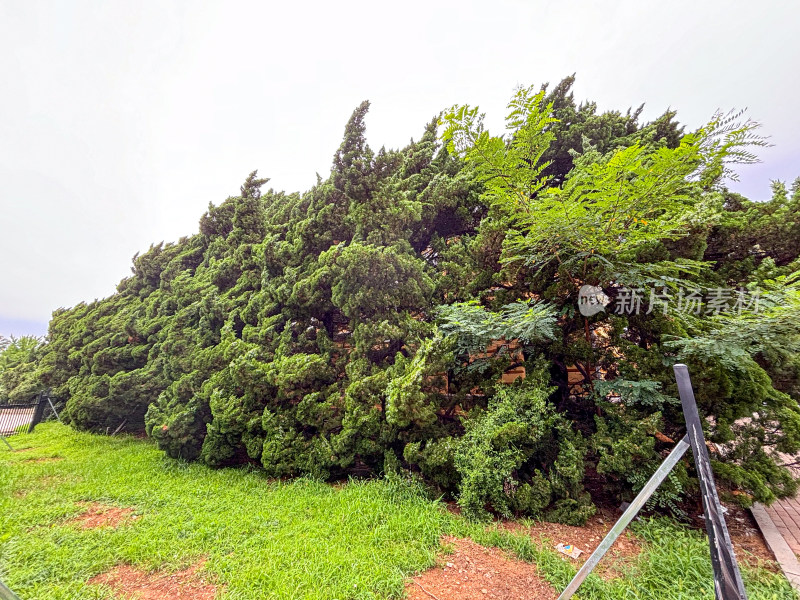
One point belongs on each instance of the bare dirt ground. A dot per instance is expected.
(747, 540)
(586, 538)
(473, 572)
(135, 584)
(102, 515)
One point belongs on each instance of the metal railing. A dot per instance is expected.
(21, 418)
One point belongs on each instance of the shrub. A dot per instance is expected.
(520, 456)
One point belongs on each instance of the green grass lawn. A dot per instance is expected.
(268, 539)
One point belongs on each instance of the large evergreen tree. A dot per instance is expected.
(365, 325)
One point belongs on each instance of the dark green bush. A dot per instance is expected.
(520, 456)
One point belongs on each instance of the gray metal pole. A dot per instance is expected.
(6, 441)
(727, 579)
(53, 408)
(7, 594)
(661, 473)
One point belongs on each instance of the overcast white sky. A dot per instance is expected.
(121, 121)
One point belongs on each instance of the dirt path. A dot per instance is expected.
(473, 572)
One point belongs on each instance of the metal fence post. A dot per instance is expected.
(727, 578)
(38, 412)
(651, 486)
(53, 408)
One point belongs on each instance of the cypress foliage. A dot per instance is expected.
(364, 326)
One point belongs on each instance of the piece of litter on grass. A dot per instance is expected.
(569, 550)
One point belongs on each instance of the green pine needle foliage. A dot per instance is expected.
(344, 330)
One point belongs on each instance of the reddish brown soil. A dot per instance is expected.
(748, 542)
(134, 584)
(586, 538)
(102, 515)
(473, 572)
(45, 459)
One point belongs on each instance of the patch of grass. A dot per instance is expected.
(271, 539)
(263, 539)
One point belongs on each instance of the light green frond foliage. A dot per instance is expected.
(727, 141)
(474, 327)
(770, 327)
(611, 205)
(644, 393)
(510, 167)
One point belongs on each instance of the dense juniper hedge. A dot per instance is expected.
(343, 331)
